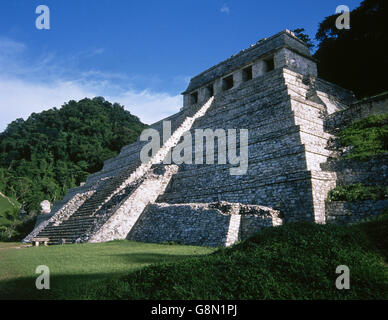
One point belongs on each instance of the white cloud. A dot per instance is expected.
(49, 83)
(149, 106)
(18, 99)
(9, 46)
(225, 9)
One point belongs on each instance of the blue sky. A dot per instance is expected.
(138, 53)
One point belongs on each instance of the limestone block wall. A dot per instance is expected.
(286, 145)
(312, 99)
(284, 112)
(372, 171)
(322, 183)
(127, 213)
(251, 224)
(357, 111)
(283, 50)
(290, 193)
(314, 89)
(186, 224)
(294, 61)
(349, 212)
(367, 172)
(207, 224)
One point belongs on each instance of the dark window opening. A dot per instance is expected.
(269, 65)
(194, 98)
(227, 83)
(247, 74)
(210, 91)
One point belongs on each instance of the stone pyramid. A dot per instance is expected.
(270, 89)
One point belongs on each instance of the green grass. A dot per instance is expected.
(8, 245)
(294, 261)
(367, 137)
(75, 268)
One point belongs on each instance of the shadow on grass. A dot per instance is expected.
(149, 258)
(377, 231)
(74, 286)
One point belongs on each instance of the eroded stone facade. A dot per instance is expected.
(271, 89)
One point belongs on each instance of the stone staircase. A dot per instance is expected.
(77, 227)
(71, 229)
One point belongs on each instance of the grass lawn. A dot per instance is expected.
(75, 267)
(294, 261)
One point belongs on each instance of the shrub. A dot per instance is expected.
(366, 137)
(358, 192)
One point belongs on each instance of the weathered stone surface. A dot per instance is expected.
(94, 218)
(45, 206)
(263, 48)
(127, 213)
(55, 218)
(277, 96)
(349, 212)
(209, 224)
(372, 171)
(357, 111)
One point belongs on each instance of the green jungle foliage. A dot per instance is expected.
(358, 192)
(367, 137)
(9, 221)
(355, 58)
(7, 204)
(300, 33)
(50, 152)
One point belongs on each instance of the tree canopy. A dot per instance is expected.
(50, 152)
(356, 58)
(302, 35)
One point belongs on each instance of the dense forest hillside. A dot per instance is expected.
(50, 152)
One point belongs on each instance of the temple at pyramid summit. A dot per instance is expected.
(270, 89)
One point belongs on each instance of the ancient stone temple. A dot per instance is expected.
(270, 89)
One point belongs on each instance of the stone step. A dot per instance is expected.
(61, 233)
(72, 222)
(79, 220)
(75, 223)
(66, 228)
